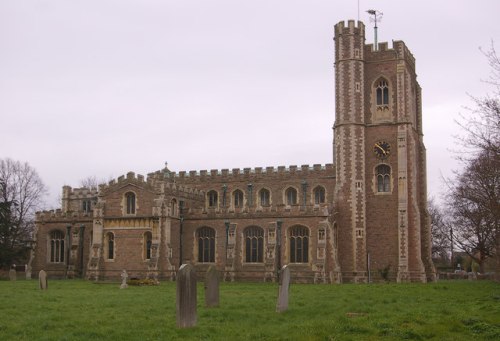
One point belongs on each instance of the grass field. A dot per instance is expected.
(81, 310)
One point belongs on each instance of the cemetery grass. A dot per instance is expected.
(82, 310)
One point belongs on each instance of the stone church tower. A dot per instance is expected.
(380, 192)
(362, 218)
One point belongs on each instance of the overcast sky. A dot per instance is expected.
(103, 87)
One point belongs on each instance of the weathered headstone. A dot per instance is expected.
(212, 287)
(12, 273)
(186, 296)
(42, 280)
(282, 303)
(124, 277)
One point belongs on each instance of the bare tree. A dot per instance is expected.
(474, 207)
(91, 182)
(21, 195)
(475, 196)
(441, 245)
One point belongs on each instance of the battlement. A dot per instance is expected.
(351, 27)
(182, 191)
(399, 49)
(264, 171)
(79, 193)
(59, 214)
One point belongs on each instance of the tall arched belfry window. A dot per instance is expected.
(383, 173)
(382, 91)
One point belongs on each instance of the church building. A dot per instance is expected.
(361, 218)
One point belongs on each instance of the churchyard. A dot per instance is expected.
(83, 310)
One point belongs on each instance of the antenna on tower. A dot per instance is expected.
(376, 16)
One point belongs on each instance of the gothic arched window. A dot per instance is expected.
(148, 241)
(130, 202)
(291, 196)
(110, 245)
(254, 244)
(212, 197)
(238, 198)
(383, 173)
(265, 197)
(299, 244)
(173, 208)
(319, 195)
(206, 245)
(57, 247)
(382, 91)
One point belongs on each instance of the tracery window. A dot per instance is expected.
(265, 197)
(319, 195)
(130, 202)
(212, 197)
(291, 196)
(254, 244)
(299, 244)
(206, 245)
(110, 245)
(57, 247)
(383, 174)
(148, 241)
(238, 198)
(382, 92)
(86, 206)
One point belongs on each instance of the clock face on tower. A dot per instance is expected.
(382, 149)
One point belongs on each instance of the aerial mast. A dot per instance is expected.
(376, 16)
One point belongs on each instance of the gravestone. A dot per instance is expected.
(212, 287)
(12, 273)
(124, 277)
(186, 296)
(282, 303)
(42, 280)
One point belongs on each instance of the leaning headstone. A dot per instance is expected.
(186, 296)
(282, 303)
(12, 273)
(212, 287)
(42, 280)
(124, 277)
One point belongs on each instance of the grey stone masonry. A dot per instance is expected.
(186, 297)
(212, 287)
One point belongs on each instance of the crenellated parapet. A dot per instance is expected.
(399, 51)
(237, 174)
(173, 189)
(60, 215)
(130, 177)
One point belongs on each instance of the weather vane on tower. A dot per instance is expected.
(376, 16)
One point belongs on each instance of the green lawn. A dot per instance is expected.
(81, 310)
